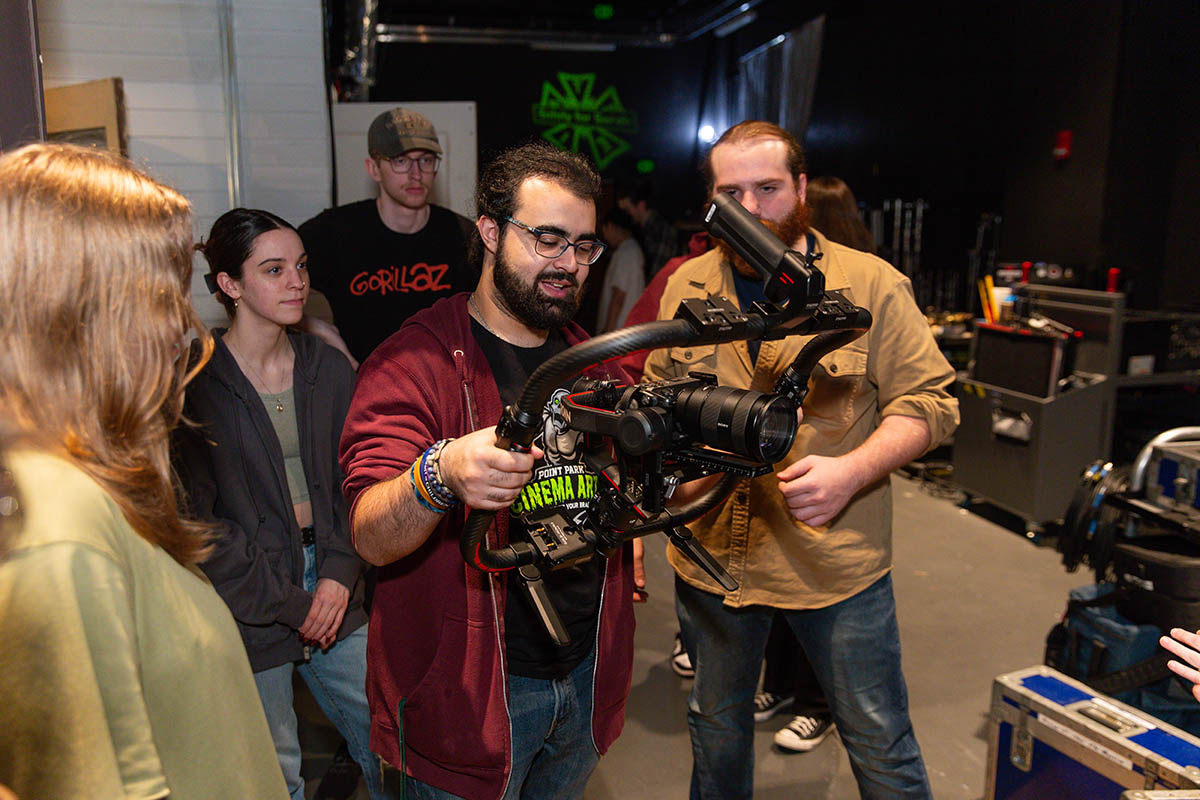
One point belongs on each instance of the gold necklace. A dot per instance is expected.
(241, 359)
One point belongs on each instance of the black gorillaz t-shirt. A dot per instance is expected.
(561, 483)
(375, 278)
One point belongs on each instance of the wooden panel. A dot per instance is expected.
(73, 111)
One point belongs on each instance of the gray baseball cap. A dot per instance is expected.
(400, 130)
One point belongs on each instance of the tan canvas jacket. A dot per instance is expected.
(896, 368)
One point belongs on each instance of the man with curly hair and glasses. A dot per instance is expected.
(470, 696)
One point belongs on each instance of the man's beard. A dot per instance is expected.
(793, 226)
(527, 303)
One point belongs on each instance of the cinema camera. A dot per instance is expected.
(647, 439)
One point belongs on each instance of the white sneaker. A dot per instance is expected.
(680, 663)
(767, 705)
(803, 733)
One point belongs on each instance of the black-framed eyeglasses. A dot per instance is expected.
(552, 245)
(402, 165)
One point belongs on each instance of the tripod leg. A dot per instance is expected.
(682, 538)
(531, 578)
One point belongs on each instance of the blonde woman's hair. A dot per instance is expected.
(95, 274)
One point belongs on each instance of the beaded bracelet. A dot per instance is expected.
(437, 458)
(429, 478)
(431, 472)
(421, 492)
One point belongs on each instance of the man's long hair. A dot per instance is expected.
(95, 273)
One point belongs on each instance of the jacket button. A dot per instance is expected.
(262, 520)
(833, 368)
(687, 353)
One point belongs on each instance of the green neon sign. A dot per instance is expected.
(578, 119)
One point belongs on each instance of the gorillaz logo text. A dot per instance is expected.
(419, 277)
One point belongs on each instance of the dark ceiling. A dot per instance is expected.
(653, 20)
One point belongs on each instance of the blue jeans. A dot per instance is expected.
(854, 647)
(552, 750)
(337, 679)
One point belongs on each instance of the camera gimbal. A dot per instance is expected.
(645, 440)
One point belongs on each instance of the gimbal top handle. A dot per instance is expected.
(788, 275)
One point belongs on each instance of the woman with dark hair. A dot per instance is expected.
(121, 672)
(261, 465)
(835, 214)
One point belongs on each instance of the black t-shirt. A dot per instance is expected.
(561, 483)
(375, 278)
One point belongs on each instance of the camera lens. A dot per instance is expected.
(743, 421)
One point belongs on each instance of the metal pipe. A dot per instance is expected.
(1137, 476)
(444, 34)
(233, 135)
(561, 39)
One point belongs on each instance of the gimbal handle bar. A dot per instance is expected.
(519, 423)
(522, 420)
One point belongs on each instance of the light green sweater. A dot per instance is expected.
(122, 674)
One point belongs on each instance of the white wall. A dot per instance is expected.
(168, 53)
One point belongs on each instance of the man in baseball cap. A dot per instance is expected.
(379, 261)
(397, 131)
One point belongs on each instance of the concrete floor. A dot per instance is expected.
(974, 600)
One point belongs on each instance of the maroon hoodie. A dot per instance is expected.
(436, 678)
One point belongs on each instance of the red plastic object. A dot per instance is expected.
(1062, 145)
(1114, 277)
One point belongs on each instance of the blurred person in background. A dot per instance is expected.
(625, 277)
(656, 235)
(835, 214)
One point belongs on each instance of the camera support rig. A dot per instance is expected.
(650, 453)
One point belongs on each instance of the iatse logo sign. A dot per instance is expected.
(583, 121)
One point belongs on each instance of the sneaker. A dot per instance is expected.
(767, 705)
(803, 733)
(341, 779)
(681, 664)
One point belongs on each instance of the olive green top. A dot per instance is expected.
(281, 408)
(123, 674)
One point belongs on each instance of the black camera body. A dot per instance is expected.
(645, 440)
(687, 420)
